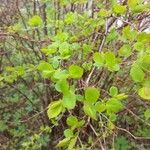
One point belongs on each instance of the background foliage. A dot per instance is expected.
(75, 74)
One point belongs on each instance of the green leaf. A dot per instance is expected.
(55, 62)
(72, 143)
(81, 123)
(20, 70)
(44, 66)
(146, 83)
(61, 74)
(64, 49)
(121, 96)
(112, 117)
(91, 95)
(113, 105)
(86, 48)
(48, 51)
(69, 100)
(62, 86)
(147, 114)
(129, 34)
(75, 71)
(119, 9)
(113, 91)
(143, 37)
(87, 66)
(54, 109)
(100, 107)
(125, 50)
(144, 93)
(104, 13)
(80, 98)
(139, 46)
(61, 37)
(141, 8)
(68, 133)
(46, 69)
(98, 58)
(112, 36)
(63, 143)
(35, 21)
(136, 73)
(111, 61)
(70, 18)
(51, 49)
(144, 62)
(72, 121)
(90, 111)
(132, 3)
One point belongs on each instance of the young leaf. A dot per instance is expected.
(137, 73)
(46, 69)
(72, 121)
(86, 48)
(61, 74)
(68, 133)
(113, 91)
(119, 9)
(90, 111)
(139, 46)
(121, 96)
(147, 114)
(64, 49)
(91, 95)
(81, 123)
(104, 13)
(144, 93)
(63, 143)
(69, 100)
(113, 105)
(61, 37)
(111, 61)
(129, 34)
(35, 21)
(111, 36)
(54, 109)
(98, 58)
(75, 71)
(44, 66)
(125, 50)
(132, 3)
(144, 62)
(112, 117)
(70, 18)
(62, 86)
(100, 107)
(72, 143)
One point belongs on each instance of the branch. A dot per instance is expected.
(25, 38)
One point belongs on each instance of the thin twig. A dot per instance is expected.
(125, 130)
(100, 49)
(34, 115)
(137, 117)
(102, 147)
(135, 137)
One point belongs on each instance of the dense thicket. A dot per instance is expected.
(74, 74)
